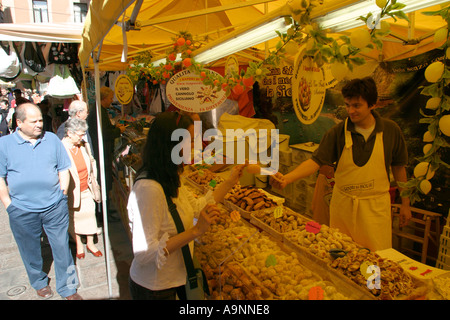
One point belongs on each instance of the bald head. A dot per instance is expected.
(29, 121)
(78, 109)
(25, 108)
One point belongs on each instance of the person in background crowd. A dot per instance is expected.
(158, 270)
(77, 109)
(45, 108)
(18, 98)
(36, 167)
(4, 117)
(80, 192)
(109, 133)
(363, 148)
(18, 101)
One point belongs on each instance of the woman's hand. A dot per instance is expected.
(209, 215)
(236, 173)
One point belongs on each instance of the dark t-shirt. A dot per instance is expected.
(333, 142)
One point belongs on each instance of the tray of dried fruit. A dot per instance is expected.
(389, 280)
(277, 220)
(331, 250)
(247, 199)
(285, 275)
(202, 178)
(231, 281)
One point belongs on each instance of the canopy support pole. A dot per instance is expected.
(102, 173)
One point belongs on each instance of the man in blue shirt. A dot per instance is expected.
(34, 178)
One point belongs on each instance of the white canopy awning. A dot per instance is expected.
(45, 32)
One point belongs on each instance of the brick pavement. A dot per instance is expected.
(92, 271)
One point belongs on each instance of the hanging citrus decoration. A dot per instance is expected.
(444, 125)
(434, 71)
(422, 169)
(360, 38)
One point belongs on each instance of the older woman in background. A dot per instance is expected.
(81, 188)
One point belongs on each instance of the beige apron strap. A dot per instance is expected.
(348, 136)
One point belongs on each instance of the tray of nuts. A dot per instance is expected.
(277, 220)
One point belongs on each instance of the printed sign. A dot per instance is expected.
(308, 89)
(278, 81)
(186, 91)
(123, 89)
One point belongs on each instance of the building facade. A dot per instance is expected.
(44, 11)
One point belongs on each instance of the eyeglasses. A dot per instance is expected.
(81, 135)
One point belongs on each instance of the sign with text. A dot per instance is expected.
(123, 89)
(278, 81)
(186, 91)
(308, 89)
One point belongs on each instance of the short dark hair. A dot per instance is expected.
(156, 155)
(365, 88)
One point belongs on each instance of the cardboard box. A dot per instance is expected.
(303, 151)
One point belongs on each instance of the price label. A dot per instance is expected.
(278, 212)
(271, 260)
(315, 293)
(313, 227)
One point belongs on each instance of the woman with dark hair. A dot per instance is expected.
(158, 271)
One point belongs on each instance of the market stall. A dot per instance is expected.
(327, 264)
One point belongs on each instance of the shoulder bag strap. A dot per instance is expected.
(192, 275)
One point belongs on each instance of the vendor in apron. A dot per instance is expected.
(364, 147)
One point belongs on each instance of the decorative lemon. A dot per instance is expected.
(434, 71)
(422, 169)
(291, 48)
(344, 50)
(381, 3)
(427, 137)
(360, 38)
(339, 70)
(441, 35)
(433, 103)
(425, 186)
(444, 125)
(447, 53)
(427, 148)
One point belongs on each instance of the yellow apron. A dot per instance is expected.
(360, 206)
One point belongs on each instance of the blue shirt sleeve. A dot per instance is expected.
(2, 157)
(63, 159)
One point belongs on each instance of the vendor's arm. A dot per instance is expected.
(222, 189)
(305, 169)
(399, 173)
(4, 194)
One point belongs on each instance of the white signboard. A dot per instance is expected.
(308, 89)
(186, 91)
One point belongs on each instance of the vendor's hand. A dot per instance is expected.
(405, 215)
(236, 172)
(278, 181)
(209, 215)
